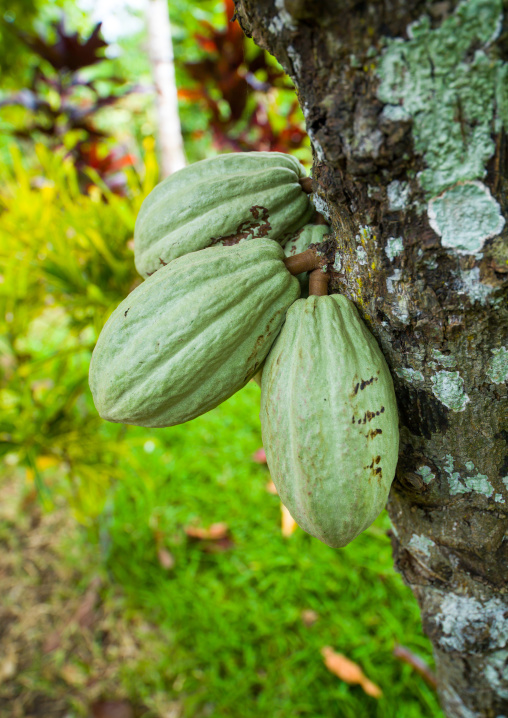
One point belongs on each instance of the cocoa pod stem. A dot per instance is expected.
(320, 218)
(303, 262)
(306, 184)
(318, 283)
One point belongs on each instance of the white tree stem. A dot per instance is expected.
(160, 49)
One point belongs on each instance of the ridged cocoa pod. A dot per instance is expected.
(329, 419)
(192, 335)
(221, 200)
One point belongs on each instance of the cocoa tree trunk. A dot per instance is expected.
(406, 104)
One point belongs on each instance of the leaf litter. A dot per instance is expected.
(67, 643)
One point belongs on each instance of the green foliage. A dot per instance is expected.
(13, 61)
(239, 647)
(23, 16)
(65, 263)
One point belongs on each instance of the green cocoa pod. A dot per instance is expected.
(221, 200)
(329, 419)
(193, 334)
(300, 241)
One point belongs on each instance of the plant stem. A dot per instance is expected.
(318, 283)
(303, 262)
(306, 184)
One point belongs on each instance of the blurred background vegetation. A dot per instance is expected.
(174, 535)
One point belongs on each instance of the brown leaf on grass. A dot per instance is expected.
(259, 456)
(309, 617)
(270, 487)
(166, 559)
(8, 666)
(82, 617)
(420, 666)
(73, 675)
(288, 524)
(214, 539)
(219, 546)
(45, 572)
(112, 709)
(348, 671)
(212, 533)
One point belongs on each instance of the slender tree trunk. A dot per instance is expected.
(160, 49)
(406, 104)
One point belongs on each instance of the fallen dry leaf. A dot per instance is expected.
(166, 559)
(420, 666)
(349, 671)
(8, 666)
(73, 675)
(42, 570)
(225, 544)
(309, 617)
(288, 524)
(270, 487)
(112, 709)
(259, 456)
(212, 533)
(83, 616)
(214, 539)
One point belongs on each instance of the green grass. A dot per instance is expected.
(239, 648)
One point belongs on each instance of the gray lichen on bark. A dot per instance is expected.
(406, 105)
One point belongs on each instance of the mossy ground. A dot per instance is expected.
(220, 633)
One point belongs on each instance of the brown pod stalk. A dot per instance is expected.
(320, 218)
(318, 283)
(306, 184)
(303, 262)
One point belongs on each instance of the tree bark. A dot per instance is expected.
(406, 105)
(160, 48)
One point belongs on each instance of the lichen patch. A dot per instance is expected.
(463, 618)
(281, 20)
(394, 247)
(444, 359)
(421, 544)
(448, 387)
(409, 375)
(398, 195)
(320, 204)
(447, 81)
(426, 473)
(478, 483)
(361, 255)
(465, 216)
(496, 673)
(498, 366)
